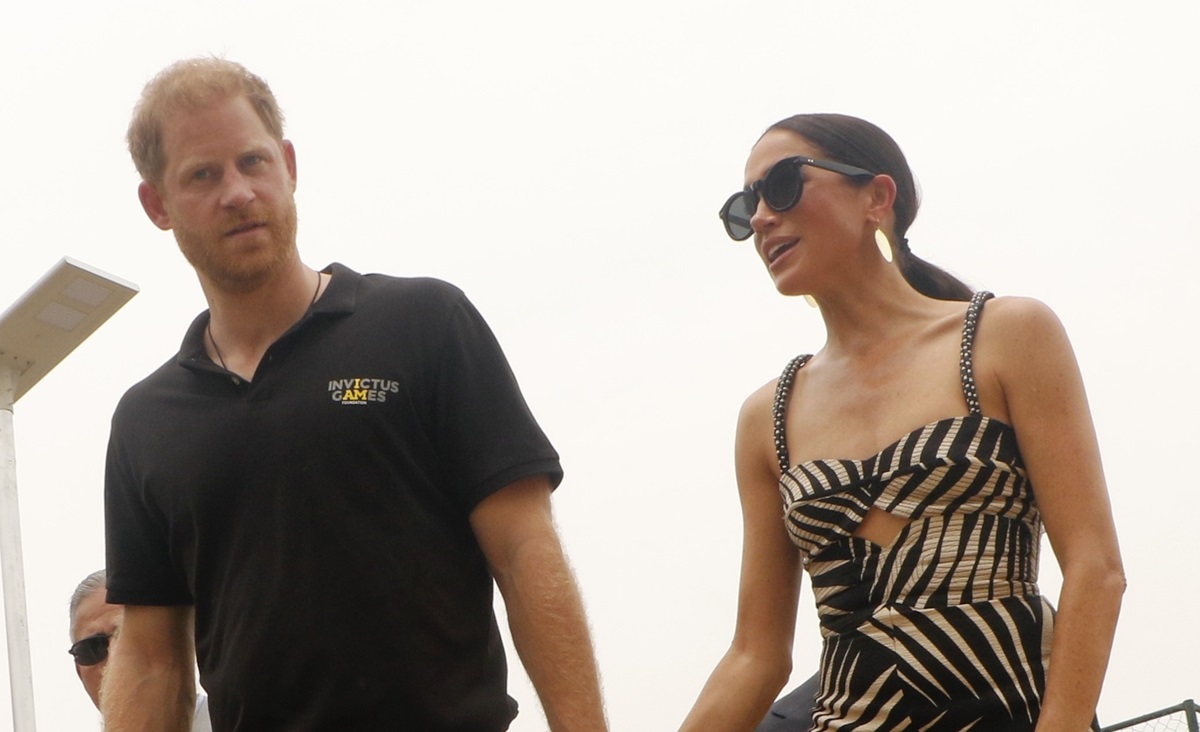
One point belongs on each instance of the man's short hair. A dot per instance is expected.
(97, 580)
(188, 85)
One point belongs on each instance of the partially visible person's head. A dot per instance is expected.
(93, 624)
(856, 142)
(207, 137)
(189, 85)
(853, 141)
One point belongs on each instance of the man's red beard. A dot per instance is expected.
(220, 262)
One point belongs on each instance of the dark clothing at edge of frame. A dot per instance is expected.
(317, 517)
(793, 711)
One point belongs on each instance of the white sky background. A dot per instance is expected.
(564, 165)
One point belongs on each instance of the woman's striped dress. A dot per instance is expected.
(944, 628)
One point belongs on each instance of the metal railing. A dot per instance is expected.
(1178, 718)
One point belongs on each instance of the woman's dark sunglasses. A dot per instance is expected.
(91, 650)
(781, 190)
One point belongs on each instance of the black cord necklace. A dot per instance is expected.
(213, 341)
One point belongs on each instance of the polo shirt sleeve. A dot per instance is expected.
(138, 556)
(485, 433)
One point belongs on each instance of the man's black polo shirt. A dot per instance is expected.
(317, 516)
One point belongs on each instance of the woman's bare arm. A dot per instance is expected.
(1047, 406)
(741, 689)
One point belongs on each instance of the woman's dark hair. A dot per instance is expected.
(857, 142)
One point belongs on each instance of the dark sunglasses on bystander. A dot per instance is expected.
(91, 650)
(780, 189)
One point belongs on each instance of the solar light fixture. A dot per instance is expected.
(37, 332)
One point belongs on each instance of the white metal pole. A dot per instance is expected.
(20, 671)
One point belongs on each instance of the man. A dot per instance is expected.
(93, 624)
(94, 628)
(328, 475)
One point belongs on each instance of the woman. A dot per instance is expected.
(918, 455)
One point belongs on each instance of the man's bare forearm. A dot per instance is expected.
(550, 631)
(139, 699)
(149, 683)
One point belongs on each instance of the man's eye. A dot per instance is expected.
(201, 174)
(250, 160)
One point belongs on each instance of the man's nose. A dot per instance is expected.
(236, 190)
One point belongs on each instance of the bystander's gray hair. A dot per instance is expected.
(97, 580)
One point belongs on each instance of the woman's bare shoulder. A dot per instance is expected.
(756, 431)
(1014, 315)
(757, 410)
(760, 405)
(1021, 340)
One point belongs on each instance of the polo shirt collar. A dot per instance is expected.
(339, 298)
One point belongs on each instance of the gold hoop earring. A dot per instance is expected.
(885, 246)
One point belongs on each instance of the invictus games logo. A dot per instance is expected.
(362, 391)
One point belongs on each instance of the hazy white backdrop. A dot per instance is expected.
(563, 163)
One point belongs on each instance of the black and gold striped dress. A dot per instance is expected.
(944, 628)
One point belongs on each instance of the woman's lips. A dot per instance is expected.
(776, 249)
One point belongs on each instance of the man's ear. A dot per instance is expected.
(882, 190)
(289, 157)
(152, 204)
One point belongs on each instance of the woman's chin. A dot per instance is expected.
(789, 289)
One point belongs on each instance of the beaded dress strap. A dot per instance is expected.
(966, 360)
(782, 390)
